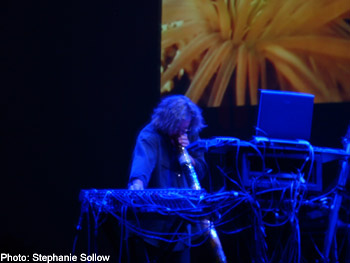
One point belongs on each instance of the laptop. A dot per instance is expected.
(284, 115)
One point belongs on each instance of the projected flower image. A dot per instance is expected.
(211, 48)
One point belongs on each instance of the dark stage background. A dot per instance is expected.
(79, 80)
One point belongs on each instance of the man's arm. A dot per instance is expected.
(144, 161)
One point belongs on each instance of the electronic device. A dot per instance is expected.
(285, 115)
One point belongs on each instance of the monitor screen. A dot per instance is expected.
(285, 115)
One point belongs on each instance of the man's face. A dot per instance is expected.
(183, 128)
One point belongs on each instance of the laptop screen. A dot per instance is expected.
(285, 115)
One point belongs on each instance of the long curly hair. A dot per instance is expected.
(168, 115)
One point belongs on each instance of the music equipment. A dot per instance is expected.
(224, 144)
(145, 200)
(280, 157)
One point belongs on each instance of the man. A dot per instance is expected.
(176, 122)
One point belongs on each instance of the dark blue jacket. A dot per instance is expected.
(155, 161)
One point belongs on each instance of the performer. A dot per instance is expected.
(176, 122)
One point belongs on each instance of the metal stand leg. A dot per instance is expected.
(333, 218)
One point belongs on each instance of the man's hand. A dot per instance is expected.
(136, 184)
(183, 140)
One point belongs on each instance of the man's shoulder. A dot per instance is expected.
(149, 132)
(148, 129)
